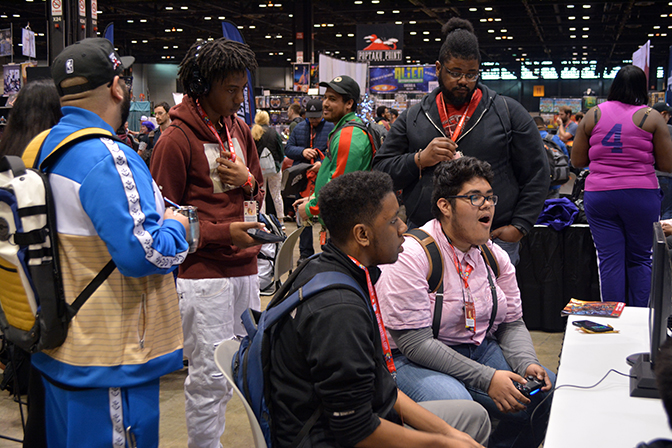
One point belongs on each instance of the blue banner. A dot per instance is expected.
(403, 78)
(109, 32)
(246, 111)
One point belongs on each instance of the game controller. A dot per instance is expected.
(530, 388)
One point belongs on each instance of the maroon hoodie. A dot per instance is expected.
(184, 168)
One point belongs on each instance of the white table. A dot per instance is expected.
(604, 416)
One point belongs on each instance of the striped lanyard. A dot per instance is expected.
(381, 326)
(467, 299)
(208, 123)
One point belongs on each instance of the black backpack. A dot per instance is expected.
(558, 161)
(375, 131)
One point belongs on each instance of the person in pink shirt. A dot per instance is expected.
(480, 349)
(620, 141)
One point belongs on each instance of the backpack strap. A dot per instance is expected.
(491, 261)
(31, 156)
(435, 275)
(365, 129)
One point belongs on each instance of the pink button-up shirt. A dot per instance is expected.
(407, 304)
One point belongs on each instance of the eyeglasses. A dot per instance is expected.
(471, 77)
(477, 200)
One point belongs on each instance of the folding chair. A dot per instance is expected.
(223, 356)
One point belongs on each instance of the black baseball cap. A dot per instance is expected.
(344, 85)
(93, 59)
(662, 107)
(314, 109)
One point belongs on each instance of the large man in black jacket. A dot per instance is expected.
(463, 115)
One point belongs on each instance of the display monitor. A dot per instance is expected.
(642, 379)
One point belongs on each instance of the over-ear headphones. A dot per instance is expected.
(198, 86)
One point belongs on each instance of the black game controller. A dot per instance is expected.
(530, 388)
(265, 237)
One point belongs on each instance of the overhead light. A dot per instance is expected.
(184, 7)
(399, 22)
(179, 30)
(491, 31)
(358, 2)
(165, 47)
(425, 32)
(585, 28)
(412, 22)
(413, 33)
(503, 31)
(473, 9)
(425, 40)
(207, 18)
(268, 36)
(339, 35)
(134, 41)
(585, 36)
(657, 27)
(487, 9)
(586, 17)
(143, 20)
(175, 46)
(144, 41)
(351, 34)
(129, 21)
(438, 39)
(380, 12)
(586, 6)
(252, 27)
(572, 29)
(395, 11)
(571, 17)
(497, 19)
(169, 8)
(167, 30)
(221, 18)
(572, 36)
(570, 6)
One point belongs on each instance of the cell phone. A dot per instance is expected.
(265, 237)
(593, 326)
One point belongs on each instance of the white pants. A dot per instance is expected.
(211, 310)
(273, 187)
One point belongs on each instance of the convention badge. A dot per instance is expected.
(250, 210)
(323, 237)
(470, 316)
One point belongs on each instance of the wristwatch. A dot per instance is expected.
(520, 228)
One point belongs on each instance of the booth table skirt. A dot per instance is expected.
(555, 267)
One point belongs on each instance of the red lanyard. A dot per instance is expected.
(445, 118)
(381, 326)
(464, 274)
(208, 122)
(312, 136)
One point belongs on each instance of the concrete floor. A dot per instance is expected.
(173, 432)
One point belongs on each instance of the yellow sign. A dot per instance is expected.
(538, 91)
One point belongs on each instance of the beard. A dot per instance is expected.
(125, 106)
(457, 97)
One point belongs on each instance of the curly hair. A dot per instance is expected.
(460, 42)
(450, 176)
(215, 61)
(351, 199)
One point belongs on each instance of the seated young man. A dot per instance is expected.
(478, 353)
(327, 358)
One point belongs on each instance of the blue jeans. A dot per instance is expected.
(514, 430)
(666, 187)
(306, 248)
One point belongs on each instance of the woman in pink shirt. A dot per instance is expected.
(620, 141)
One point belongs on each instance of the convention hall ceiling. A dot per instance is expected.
(508, 31)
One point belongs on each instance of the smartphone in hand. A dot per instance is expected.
(266, 237)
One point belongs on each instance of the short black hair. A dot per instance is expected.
(460, 42)
(217, 60)
(629, 86)
(381, 111)
(163, 104)
(450, 176)
(394, 112)
(351, 199)
(539, 121)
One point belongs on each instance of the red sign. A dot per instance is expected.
(299, 35)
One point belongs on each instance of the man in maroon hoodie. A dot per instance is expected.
(208, 159)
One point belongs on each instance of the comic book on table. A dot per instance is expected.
(603, 309)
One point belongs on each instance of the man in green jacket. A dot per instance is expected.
(349, 147)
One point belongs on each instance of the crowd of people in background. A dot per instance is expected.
(466, 163)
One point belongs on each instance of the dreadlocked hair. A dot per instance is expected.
(460, 42)
(215, 61)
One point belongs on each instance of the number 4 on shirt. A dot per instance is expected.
(613, 139)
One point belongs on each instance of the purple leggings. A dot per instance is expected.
(621, 222)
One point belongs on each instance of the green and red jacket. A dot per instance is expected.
(349, 150)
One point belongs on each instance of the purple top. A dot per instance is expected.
(621, 154)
